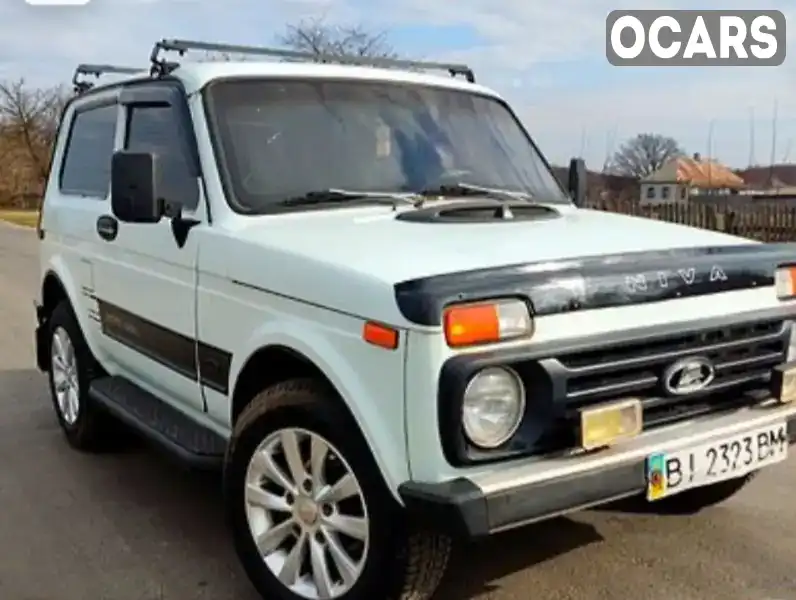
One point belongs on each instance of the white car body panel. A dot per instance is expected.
(198, 75)
(369, 379)
(71, 247)
(398, 251)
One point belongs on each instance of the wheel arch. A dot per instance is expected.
(57, 286)
(269, 365)
(53, 292)
(277, 362)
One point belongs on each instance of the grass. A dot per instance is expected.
(26, 218)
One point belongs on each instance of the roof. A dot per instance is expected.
(706, 174)
(774, 176)
(196, 75)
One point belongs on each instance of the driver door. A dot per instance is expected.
(145, 281)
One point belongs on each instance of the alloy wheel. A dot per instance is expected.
(307, 514)
(66, 384)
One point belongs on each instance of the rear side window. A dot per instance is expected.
(86, 169)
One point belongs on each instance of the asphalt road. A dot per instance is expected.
(134, 527)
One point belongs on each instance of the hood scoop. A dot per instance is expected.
(479, 212)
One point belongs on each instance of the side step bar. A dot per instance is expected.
(159, 422)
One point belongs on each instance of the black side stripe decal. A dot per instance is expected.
(169, 348)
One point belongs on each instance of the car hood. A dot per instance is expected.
(373, 243)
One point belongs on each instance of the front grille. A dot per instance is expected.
(742, 355)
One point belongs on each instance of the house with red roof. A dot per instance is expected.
(683, 178)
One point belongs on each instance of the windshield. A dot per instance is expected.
(282, 139)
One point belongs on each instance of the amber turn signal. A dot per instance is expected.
(380, 335)
(486, 323)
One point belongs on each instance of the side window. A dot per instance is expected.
(157, 129)
(86, 167)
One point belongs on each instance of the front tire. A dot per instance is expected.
(72, 368)
(310, 514)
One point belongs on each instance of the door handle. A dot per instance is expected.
(107, 227)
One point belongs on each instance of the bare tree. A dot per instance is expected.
(28, 124)
(644, 154)
(316, 36)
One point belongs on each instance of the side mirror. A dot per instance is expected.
(577, 181)
(135, 197)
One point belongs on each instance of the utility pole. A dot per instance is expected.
(751, 137)
(773, 144)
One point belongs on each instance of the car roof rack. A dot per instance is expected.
(82, 86)
(161, 67)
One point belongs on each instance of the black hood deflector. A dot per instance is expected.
(600, 281)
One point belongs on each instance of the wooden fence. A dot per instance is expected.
(766, 222)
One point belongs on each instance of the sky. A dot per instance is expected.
(546, 58)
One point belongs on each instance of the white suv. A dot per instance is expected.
(360, 290)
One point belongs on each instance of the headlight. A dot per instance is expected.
(791, 354)
(493, 407)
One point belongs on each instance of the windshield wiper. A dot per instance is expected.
(334, 195)
(468, 189)
(416, 199)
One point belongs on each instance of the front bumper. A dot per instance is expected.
(536, 490)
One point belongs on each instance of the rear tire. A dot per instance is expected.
(693, 501)
(72, 368)
(386, 558)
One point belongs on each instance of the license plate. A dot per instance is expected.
(674, 472)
